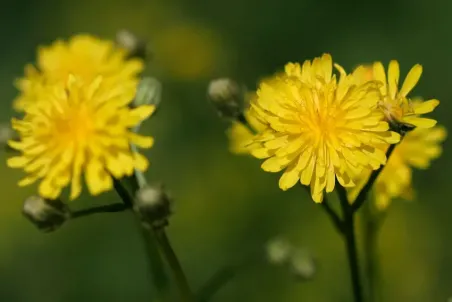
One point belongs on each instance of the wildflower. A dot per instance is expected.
(416, 150)
(83, 56)
(80, 128)
(318, 128)
(395, 104)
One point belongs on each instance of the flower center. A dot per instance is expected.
(76, 125)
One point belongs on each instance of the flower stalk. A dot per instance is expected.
(371, 224)
(346, 227)
(180, 279)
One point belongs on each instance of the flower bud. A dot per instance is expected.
(153, 205)
(278, 251)
(149, 92)
(135, 46)
(46, 215)
(303, 265)
(227, 97)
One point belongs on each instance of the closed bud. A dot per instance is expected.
(303, 265)
(153, 206)
(135, 46)
(46, 215)
(278, 251)
(149, 92)
(227, 97)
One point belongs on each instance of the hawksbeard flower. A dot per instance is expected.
(79, 128)
(83, 56)
(395, 103)
(318, 128)
(417, 149)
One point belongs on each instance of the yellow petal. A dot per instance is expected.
(139, 114)
(17, 162)
(289, 178)
(261, 153)
(411, 80)
(47, 190)
(380, 75)
(144, 142)
(96, 177)
(26, 181)
(317, 196)
(331, 179)
(141, 163)
(393, 78)
(420, 122)
(425, 107)
(273, 164)
(114, 166)
(76, 186)
(306, 174)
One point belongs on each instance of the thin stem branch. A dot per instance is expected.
(110, 208)
(350, 244)
(186, 294)
(362, 196)
(333, 215)
(123, 193)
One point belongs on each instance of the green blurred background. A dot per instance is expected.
(226, 207)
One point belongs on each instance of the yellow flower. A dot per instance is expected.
(79, 128)
(83, 56)
(417, 149)
(318, 128)
(395, 103)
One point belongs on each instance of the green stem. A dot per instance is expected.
(362, 196)
(370, 253)
(333, 215)
(348, 233)
(110, 208)
(372, 222)
(185, 292)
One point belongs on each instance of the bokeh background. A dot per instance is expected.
(226, 207)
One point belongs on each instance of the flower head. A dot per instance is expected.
(317, 128)
(417, 149)
(83, 56)
(395, 103)
(79, 128)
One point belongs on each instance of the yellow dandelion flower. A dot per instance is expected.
(79, 128)
(83, 56)
(318, 128)
(417, 149)
(395, 103)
